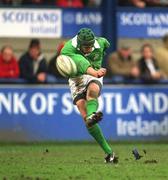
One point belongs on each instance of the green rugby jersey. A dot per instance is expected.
(94, 59)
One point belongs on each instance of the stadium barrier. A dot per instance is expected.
(46, 113)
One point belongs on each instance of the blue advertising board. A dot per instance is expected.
(142, 23)
(46, 113)
(74, 19)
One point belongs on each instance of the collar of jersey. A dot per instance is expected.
(74, 43)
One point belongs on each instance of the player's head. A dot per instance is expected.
(85, 40)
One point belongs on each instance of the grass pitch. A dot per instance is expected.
(82, 161)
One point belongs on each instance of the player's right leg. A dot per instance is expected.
(96, 133)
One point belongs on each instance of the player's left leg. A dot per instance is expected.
(81, 105)
(93, 91)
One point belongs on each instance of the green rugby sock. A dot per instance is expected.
(91, 106)
(96, 132)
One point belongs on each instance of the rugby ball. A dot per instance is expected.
(66, 66)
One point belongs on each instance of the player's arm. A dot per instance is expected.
(96, 73)
(84, 67)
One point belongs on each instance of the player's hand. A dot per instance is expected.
(101, 72)
(96, 73)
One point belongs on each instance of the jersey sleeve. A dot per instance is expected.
(106, 43)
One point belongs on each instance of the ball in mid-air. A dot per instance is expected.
(66, 66)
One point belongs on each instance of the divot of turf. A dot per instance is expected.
(152, 161)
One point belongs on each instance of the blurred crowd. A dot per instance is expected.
(31, 67)
(151, 67)
(143, 3)
(122, 67)
(54, 3)
(83, 3)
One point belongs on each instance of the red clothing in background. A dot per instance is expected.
(9, 69)
(70, 3)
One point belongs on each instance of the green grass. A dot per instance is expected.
(81, 161)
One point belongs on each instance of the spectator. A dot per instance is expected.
(70, 3)
(137, 3)
(123, 3)
(149, 70)
(162, 56)
(32, 2)
(92, 3)
(33, 66)
(142, 3)
(121, 65)
(38, 2)
(152, 3)
(6, 2)
(9, 67)
(52, 70)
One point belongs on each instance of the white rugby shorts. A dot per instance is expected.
(78, 86)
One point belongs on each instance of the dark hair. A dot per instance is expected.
(165, 38)
(146, 45)
(34, 43)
